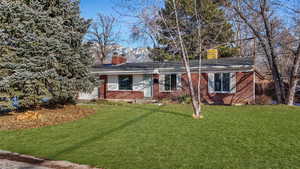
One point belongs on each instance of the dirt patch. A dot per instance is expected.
(43, 117)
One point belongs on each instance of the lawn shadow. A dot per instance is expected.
(174, 113)
(168, 112)
(101, 135)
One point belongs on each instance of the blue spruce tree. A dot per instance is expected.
(42, 52)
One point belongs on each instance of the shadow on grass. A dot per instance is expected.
(175, 113)
(124, 125)
(167, 112)
(100, 136)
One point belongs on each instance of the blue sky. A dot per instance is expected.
(89, 9)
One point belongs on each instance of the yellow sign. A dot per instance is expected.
(212, 54)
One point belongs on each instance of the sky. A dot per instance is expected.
(90, 8)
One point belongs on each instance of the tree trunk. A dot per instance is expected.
(293, 79)
(267, 46)
(196, 106)
(278, 87)
(292, 91)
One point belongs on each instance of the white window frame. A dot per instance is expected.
(162, 82)
(232, 83)
(222, 76)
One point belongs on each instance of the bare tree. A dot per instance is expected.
(145, 28)
(290, 43)
(103, 35)
(263, 18)
(140, 17)
(158, 26)
(184, 56)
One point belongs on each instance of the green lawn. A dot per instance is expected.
(150, 137)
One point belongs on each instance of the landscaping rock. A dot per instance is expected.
(7, 164)
(9, 160)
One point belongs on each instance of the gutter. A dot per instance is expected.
(178, 70)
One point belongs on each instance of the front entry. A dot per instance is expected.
(148, 86)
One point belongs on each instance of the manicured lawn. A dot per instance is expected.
(153, 137)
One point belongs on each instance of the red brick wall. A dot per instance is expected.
(161, 95)
(130, 95)
(244, 92)
(105, 94)
(102, 88)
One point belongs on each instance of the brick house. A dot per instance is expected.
(223, 81)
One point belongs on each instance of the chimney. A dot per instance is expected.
(212, 54)
(118, 59)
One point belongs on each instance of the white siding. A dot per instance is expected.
(138, 83)
(232, 82)
(112, 83)
(179, 87)
(161, 83)
(211, 82)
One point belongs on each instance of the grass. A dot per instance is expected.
(153, 137)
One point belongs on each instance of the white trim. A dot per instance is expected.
(161, 70)
(223, 92)
(172, 72)
(112, 83)
(122, 72)
(214, 71)
(211, 79)
(178, 82)
(211, 67)
(152, 86)
(170, 91)
(232, 83)
(161, 83)
(138, 83)
(211, 82)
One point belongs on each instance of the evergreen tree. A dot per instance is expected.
(42, 53)
(215, 29)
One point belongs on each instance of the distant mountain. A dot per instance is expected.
(133, 55)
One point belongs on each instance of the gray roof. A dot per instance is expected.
(222, 64)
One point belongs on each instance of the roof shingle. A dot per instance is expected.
(221, 63)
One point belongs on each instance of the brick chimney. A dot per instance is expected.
(118, 59)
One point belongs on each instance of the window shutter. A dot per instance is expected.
(232, 82)
(179, 87)
(211, 79)
(113, 83)
(161, 83)
(138, 83)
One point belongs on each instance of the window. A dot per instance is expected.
(170, 82)
(125, 82)
(222, 82)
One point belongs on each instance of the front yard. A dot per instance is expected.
(153, 137)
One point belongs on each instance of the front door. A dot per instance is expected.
(148, 86)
